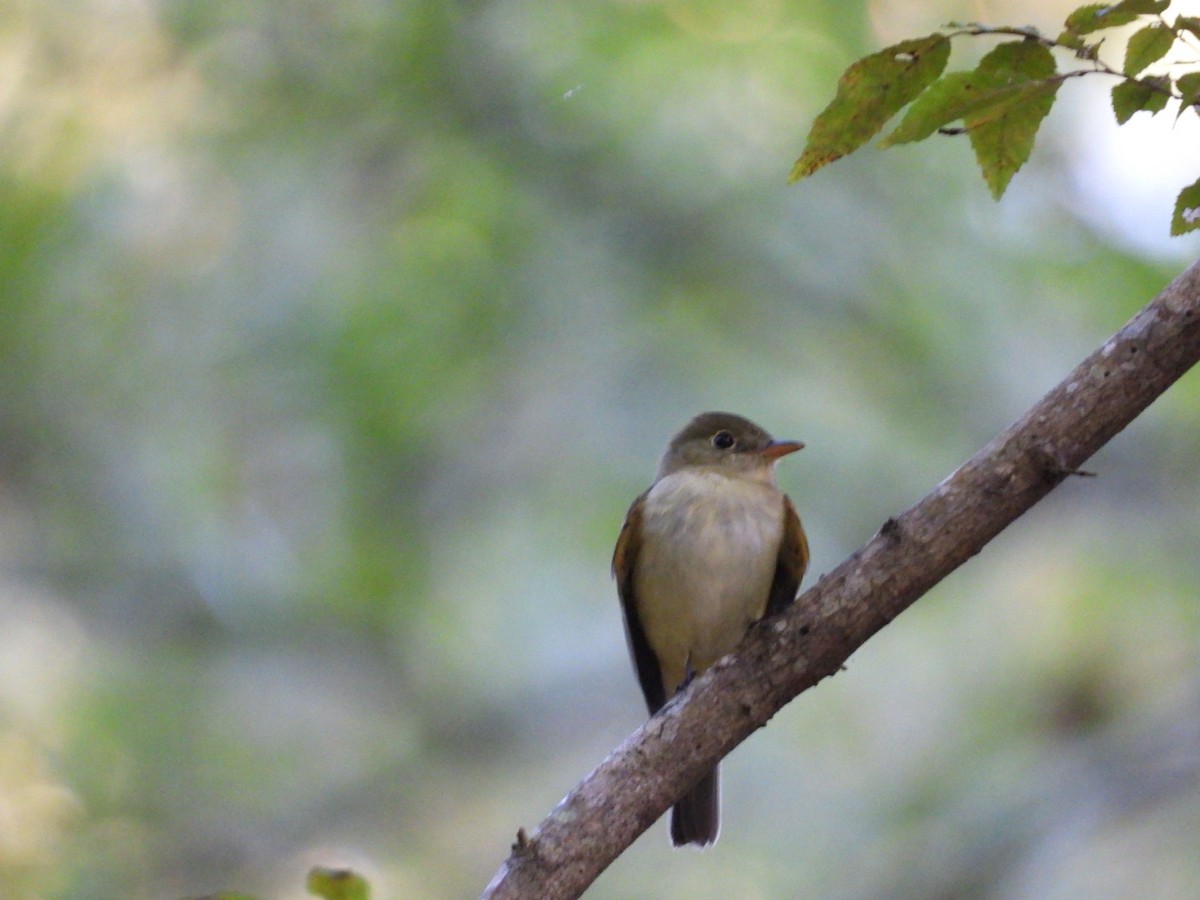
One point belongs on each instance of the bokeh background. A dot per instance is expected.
(335, 339)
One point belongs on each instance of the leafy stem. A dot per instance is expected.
(1003, 101)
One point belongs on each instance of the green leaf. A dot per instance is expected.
(1000, 78)
(1086, 19)
(869, 93)
(1002, 136)
(1162, 91)
(1188, 23)
(1095, 16)
(1147, 46)
(1131, 97)
(1023, 59)
(1002, 103)
(1020, 59)
(337, 884)
(1189, 89)
(1187, 210)
(1071, 41)
(947, 100)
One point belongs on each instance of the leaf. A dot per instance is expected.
(1071, 41)
(1002, 137)
(947, 100)
(1002, 103)
(1095, 16)
(869, 93)
(1026, 59)
(337, 884)
(1000, 79)
(1131, 97)
(1189, 90)
(1187, 210)
(1147, 46)
(1002, 133)
(1188, 23)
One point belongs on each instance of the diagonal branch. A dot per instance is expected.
(639, 780)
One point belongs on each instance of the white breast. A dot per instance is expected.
(704, 570)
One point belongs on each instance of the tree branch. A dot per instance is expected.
(780, 658)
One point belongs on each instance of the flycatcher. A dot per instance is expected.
(710, 548)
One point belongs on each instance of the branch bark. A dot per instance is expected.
(783, 656)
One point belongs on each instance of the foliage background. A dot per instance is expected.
(336, 339)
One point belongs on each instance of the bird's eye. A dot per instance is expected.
(723, 440)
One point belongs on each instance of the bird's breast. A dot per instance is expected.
(709, 546)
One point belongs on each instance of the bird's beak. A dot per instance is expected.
(776, 449)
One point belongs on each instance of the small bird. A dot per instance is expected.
(710, 548)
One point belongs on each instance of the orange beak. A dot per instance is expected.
(776, 449)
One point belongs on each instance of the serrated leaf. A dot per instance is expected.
(1023, 59)
(1131, 97)
(1002, 103)
(1095, 16)
(337, 884)
(1188, 23)
(1002, 136)
(1087, 19)
(1187, 210)
(1000, 79)
(1147, 46)
(947, 100)
(869, 93)
(1189, 89)
(1161, 84)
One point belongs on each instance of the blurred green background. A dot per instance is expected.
(335, 339)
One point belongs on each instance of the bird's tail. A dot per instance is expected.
(696, 818)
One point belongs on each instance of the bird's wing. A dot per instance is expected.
(624, 565)
(791, 563)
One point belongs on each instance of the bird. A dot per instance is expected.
(711, 547)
